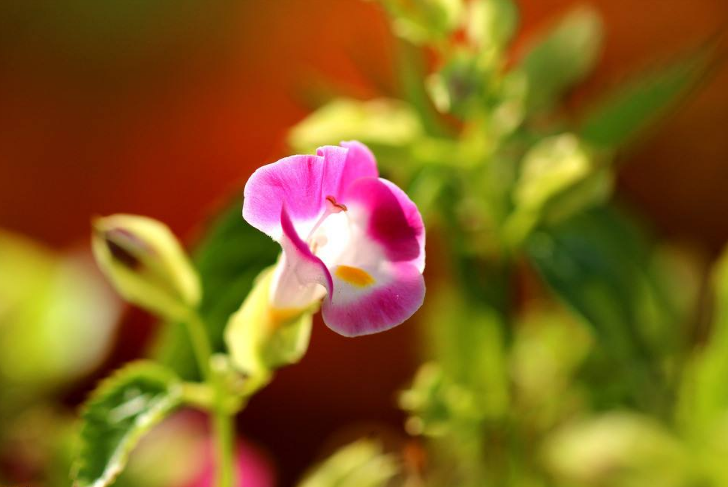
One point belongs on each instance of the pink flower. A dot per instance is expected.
(253, 469)
(345, 233)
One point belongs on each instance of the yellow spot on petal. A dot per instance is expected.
(354, 276)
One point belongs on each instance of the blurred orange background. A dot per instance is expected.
(164, 108)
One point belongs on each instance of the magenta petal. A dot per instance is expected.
(295, 181)
(392, 219)
(391, 299)
(302, 183)
(304, 267)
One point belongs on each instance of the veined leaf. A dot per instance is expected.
(621, 116)
(228, 260)
(122, 409)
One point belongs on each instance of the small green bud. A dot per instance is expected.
(146, 264)
(260, 338)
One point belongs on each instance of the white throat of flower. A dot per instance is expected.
(329, 239)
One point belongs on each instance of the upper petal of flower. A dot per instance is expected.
(303, 183)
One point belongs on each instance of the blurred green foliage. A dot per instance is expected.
(563, 344)
(593, 377)
(50, 306)
(360, 464)
(57, 318)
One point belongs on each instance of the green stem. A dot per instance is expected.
(223, 426)
(224, 429)
(200, 345)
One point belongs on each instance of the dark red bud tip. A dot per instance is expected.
(125, 247)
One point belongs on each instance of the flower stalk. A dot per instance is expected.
(222, 418)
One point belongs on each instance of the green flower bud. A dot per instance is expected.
(146, 264)
(260, 338)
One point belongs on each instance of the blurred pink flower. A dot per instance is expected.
(254, 469)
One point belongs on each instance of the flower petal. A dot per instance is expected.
(299, 274)
(389, 219)
(302, 183)
(370, 300)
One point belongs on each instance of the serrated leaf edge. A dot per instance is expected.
(146, 421)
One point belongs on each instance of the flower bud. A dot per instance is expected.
(261, 338)
(146, 264)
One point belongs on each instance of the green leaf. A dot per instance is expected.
(559, 177)
(562, 57)
(228, 259)
(380, 123)
(490, 24)
(602, 267)
(470, 350)
(424, 21)
(704, 394)
(120, 411)
(360, 464)
(548, 349)
(618, 448)
(627, 112)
